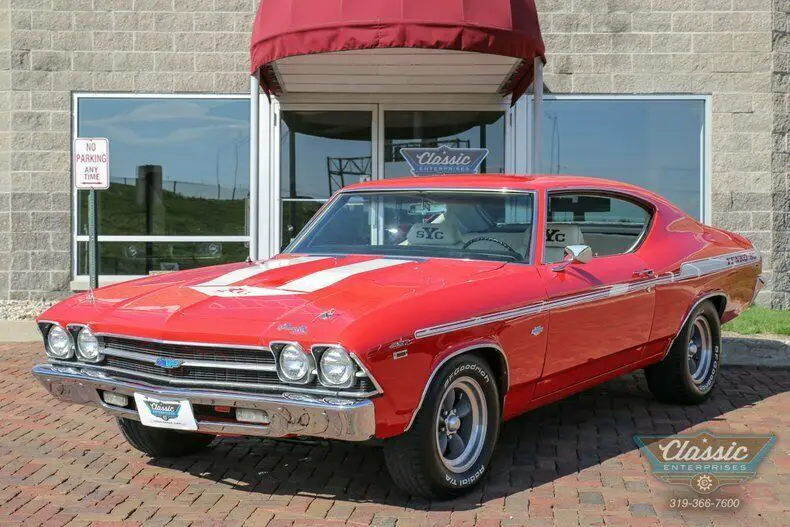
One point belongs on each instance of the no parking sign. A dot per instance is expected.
(92, 163)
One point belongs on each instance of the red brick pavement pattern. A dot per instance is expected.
(571, 463)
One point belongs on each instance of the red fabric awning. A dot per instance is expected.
(286, 28)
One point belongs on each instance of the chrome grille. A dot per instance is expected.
(238, 369)
(190, 351)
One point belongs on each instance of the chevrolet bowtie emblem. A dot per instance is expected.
(169, 364)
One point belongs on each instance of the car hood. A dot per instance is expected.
(291, 297)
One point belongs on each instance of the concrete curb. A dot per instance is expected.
(771, 351)
(19, 331)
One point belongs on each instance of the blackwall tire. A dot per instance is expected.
(448, 447)
(688, 373)
(160, 442)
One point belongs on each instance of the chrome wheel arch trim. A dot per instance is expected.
(466, 349)
(695, 305)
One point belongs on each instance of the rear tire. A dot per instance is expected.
(447, 449)
(160, 442)
(688, 373)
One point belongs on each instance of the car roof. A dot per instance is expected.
(499, 182)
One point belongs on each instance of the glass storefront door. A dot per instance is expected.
(324, 149)
(455, 129)
(321, 151)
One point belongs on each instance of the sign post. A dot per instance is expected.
(91, 173)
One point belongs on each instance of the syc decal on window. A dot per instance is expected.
(443, 160)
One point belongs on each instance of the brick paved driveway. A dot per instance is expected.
(570, 463)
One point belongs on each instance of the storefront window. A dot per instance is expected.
(458, 129)
(654, 143)
(179, 168)
(320, 153)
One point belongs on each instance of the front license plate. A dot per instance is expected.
(165, 413)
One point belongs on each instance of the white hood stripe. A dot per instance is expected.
(328, 277)
(240, 275)
(306, 284)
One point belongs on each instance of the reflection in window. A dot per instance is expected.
(450, 224)
(140, 258)
(179, 166)
(320, 153)
(430, 129)
(656, 144)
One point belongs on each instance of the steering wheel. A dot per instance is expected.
(499, 242)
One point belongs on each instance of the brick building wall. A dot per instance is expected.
(781, 153)
(718, 47)
(735, 50)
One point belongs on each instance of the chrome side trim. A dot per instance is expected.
(443, 362)
(184, 343)
(103, 372)
(142, 357)
(688, 271)
(289, 414)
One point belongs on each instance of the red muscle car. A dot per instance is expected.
(421, 312)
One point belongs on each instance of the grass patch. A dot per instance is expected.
(760, 320)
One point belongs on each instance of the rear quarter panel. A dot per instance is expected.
(677, 239)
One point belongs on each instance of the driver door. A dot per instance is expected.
(599, 314)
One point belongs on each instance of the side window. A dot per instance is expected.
(609, 225)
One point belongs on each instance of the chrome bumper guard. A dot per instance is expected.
(289, 415)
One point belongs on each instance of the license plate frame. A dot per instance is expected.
(161, 412)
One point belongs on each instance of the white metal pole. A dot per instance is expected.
(255, 95)
(537, 116)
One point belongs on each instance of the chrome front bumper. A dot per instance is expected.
(289, 414)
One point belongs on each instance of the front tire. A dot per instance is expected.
(448, 447)
(160, 442)
(688, 373)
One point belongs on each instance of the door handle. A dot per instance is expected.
(644, 273)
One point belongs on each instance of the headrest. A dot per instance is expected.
(445, 233)
(563, 234)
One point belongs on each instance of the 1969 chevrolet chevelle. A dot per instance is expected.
(421, 312)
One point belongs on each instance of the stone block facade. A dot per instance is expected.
(735, 50)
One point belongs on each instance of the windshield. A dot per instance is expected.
(449, 224)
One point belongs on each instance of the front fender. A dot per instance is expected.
(405, 379)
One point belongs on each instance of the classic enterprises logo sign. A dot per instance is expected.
(705, 461)
(163, 410)
(443, 160)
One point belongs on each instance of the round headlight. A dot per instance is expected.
(337, 368)
(88, 346)
(294, 363)
(59, 343)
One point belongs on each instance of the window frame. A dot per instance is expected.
(648, 207)
(704, 214)
(77, 238)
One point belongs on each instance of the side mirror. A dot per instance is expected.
(575, 254)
